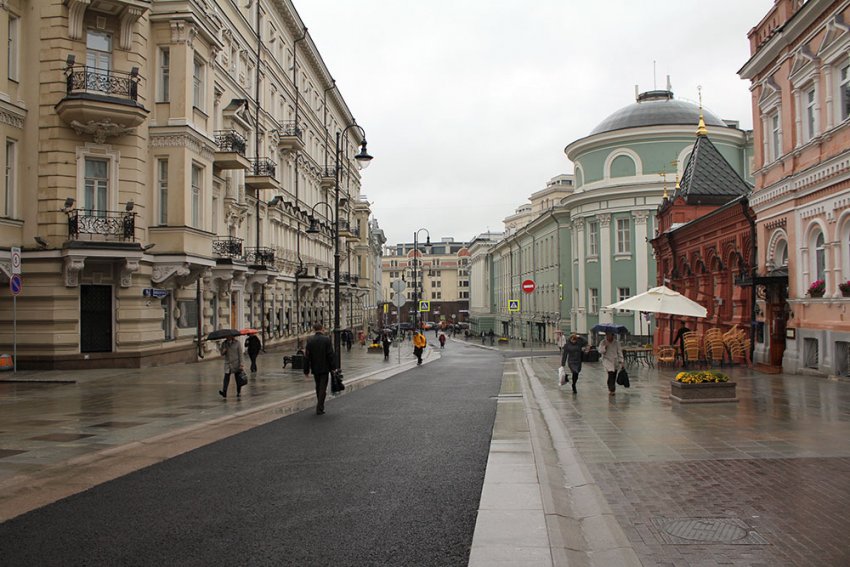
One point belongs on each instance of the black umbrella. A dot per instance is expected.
(223, 334)
(610, 328)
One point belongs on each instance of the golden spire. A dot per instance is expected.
(701, 129)
(663, 175)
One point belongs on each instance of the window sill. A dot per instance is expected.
(622, 257)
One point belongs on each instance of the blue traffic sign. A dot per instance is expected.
(15, 284)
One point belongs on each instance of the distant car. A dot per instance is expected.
(405, 326)
(462, 325)
(428, 325)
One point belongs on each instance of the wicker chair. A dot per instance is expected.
(665, 355)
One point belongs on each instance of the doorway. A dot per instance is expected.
(95, 318)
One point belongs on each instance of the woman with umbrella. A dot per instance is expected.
(232, 354)
(612, 358)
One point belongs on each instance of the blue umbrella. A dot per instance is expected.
(610, 328)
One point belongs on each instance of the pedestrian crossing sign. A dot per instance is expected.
(424, 306)
(513, 305)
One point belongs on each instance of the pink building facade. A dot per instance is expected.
(799, 71)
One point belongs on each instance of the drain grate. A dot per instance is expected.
(684, 531)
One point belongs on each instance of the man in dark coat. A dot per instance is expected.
(254, 346)
(320, 359)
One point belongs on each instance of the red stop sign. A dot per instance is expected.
(528, 286)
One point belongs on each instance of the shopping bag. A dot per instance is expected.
(241, 378)
(336, 382)
(623, 378)
(562, 376)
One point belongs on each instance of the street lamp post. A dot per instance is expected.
(363, 159)
(415, 282)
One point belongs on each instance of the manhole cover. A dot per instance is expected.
(683, 531)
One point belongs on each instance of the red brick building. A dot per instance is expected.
(705, 244)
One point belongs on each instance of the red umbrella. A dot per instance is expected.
(248, 331)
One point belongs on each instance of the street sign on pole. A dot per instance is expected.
(16, 260)
(528, 286)
(424, 306)
(513, 305)
(15, 284)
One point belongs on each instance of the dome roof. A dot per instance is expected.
(654, 108)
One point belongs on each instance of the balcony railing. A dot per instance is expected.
(227, 247)
(263, 166)
(290, 129)
(230, 141)
(260, 256)
(85, 79)
(106, 224)
(346, 229)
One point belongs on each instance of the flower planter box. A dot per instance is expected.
(702, 393)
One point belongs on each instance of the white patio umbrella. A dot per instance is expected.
(662, 299)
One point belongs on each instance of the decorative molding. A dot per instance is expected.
(604, 220)
(76, 12)
(640, 217)
(182, 32)
(193, 143)
(100, 129)
(129, 17)
(162, 272)
(131, 266)
(72, 268)
(11, 119)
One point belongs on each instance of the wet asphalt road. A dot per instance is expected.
(390, 475)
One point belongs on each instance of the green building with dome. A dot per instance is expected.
(591, 247)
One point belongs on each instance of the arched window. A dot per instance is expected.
(820, 257)
(780, 254)
(623, 166)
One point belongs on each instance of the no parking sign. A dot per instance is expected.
(15, 284)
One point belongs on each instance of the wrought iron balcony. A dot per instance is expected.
(101, 102)
(290, 136)
(261, 174)
(102, 225)
(229, 247)
(231, 150)
(230, 141)
(347, 230)
(260, 256)
(115, 84)
(328, 179)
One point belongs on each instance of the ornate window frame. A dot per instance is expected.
(770, 106)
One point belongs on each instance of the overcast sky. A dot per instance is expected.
(468, 104)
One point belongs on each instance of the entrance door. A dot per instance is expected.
(777, 317)
(95, 318)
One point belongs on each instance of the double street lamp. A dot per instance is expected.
(415, 282)
(363, 159)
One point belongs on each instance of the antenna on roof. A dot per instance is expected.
(669, 86)
(637, 92)
(654, 82)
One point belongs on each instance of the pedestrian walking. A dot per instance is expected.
(253, 344)
(319, 359)
(348, 338)
(232, 353)
(571, 356)
(561, 341)
(419, 344)
(442, 339)
(491, 334)
(680, 338)
(386, 342)
(612, 359)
